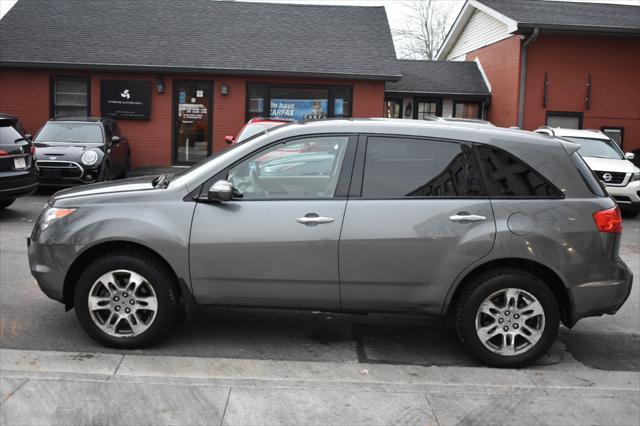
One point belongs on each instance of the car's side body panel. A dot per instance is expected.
(400, 254)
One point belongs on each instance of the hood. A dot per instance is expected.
(142, 183)
(61, 151)
(611, 165)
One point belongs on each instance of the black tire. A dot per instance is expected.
(483, 286)
(158, 277)
(105, 173)
(6, 202)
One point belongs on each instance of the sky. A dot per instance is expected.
(398, 11)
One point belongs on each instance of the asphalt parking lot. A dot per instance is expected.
(30, 321)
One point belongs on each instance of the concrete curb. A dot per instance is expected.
(137, 368)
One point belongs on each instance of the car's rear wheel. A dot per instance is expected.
(6, 202)
(126, 300)
(507, 318)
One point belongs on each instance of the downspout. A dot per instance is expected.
(523, 75)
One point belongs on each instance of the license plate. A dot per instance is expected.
(19, 163)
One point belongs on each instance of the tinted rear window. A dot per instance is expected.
(397, 167)
(8, 135)
(70, 132)
(508, 176)
(590, 179)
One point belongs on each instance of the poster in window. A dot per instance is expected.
(125, 99)
(299, 109)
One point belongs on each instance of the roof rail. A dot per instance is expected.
(553, 133)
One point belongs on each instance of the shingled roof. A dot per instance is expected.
(200, 36)
(574, 16)
(440, 78)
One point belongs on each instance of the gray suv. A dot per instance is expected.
(506, 231)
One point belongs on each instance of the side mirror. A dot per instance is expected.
(630, 155)
(221, 191)
(229, 140)
(28, 136)
(115, 139)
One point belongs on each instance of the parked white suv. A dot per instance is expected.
(610, 164)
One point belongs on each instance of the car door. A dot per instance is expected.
(276, 242)
(417, 215)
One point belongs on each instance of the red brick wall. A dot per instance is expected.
(25, 93)
(614, 65)
(501, 64)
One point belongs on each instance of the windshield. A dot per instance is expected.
(598, 148)
(8, 135)
(70, 132)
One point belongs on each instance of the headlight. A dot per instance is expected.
(635, 177)
(52, 214)
(89, 158)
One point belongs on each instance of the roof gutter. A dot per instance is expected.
(523, 75)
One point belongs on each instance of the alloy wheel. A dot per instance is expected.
(122, 303)
(510, 321)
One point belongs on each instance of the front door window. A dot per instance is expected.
(193, 121)
(299, 169)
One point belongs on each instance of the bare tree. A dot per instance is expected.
(425, 29)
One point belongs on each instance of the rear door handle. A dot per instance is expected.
(467, 218)
(314, 219)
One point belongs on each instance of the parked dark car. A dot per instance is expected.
(72, 151)
(18, 175)
(507, 231)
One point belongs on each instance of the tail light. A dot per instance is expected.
(33, 150)
(609, 220)
(3, 153)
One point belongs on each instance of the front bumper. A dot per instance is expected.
(627, 197)
(49, 265)
(65, 173)
(604, 293)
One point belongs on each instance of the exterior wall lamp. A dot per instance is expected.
(160, 85)
(224, 89)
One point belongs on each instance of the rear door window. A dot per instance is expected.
(507, 176)
(403, 167)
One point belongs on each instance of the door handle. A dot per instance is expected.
(305, 220)
(466, 218)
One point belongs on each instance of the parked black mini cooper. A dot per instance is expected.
(72, 151)
(17, 170)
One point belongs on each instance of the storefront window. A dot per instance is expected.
(427, 107)
(342, 102)
(69, 97)
(393, 108)
(298, 102)
(466, 110)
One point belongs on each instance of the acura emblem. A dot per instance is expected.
(607, 177)
(53, 158)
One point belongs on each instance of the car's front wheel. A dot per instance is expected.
(126, 300)
(507, 318)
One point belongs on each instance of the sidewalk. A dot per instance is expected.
(87, 389)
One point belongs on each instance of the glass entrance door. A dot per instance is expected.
(192, 125)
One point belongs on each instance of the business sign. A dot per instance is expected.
(125, 99)
(299, 109)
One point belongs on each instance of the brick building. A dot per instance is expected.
(555, 63)
(181, 75)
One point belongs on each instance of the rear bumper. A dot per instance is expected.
(18, 183)
(601, 295)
